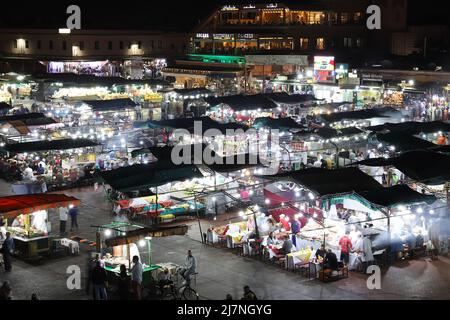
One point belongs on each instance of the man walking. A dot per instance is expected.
(7, 249)
(63, 216)
(136, 277)
(73, 212)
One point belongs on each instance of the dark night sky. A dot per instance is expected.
(152, 14)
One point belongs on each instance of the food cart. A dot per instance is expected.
(122, 241)
(26, 218)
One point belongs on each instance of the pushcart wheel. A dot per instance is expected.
(190, 294)
(169, 296)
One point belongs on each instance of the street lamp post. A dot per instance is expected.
(149, 243)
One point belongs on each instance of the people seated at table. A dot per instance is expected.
(330, 260)
(287, 246)
(271, 239)
(320, 253)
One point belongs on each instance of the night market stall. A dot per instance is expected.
(53, 163)
(118, 242)
(26, 218)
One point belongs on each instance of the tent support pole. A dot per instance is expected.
(198, 218)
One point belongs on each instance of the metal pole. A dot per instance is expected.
(149, 251)
(198, 218)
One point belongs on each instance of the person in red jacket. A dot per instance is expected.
(346, 247)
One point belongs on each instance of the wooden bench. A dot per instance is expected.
(327, 275)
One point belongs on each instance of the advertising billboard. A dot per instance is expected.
(323, 63)
(324, 69)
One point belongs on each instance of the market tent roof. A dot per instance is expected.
(243, 102)
(141, 176)
(291, 99)
(4, 105)
(189, 124)
(109, 105)
(279, 123)
(413, 127)
(329, 182)
(364, 114)
(235, 163)
(403, 142)
(86, 79)
(444, 149)
(422, 166)
(35, 121)
(154, 232)
(193, 92)
(45, 145)
(221, 164)
(22, 117)
(396, 195)
(328, 133)
(13, 206)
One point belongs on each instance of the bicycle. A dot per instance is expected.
(170, 291)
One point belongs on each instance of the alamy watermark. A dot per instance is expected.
(74, 20)
(258, 147)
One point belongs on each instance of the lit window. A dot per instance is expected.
(344, 18)
(304, 43)
(320, 43)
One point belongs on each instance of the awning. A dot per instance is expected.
(62, 144)
(110, 105)
(413, 127)
(279, 123)
(396, 195)
(364, 114)
(329, 133)
(196, 154)
(422, 166)
(243, 102)
(290, 99)
(326, 182)
(402, 142)
(189, 124)
(23, 117)
(13, 206)
(154, 232)
(145, 176)
(5, 106)
(193, 92)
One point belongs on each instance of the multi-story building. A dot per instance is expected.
(310, 26)
(21, 48)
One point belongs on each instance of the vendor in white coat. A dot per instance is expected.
(356, 258)
(368, 254)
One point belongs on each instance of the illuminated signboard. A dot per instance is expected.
(249, 7)
(229, 8)
(272, 5)
(245, 36)
(323, 63)
(220, 36)
(202, 35)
